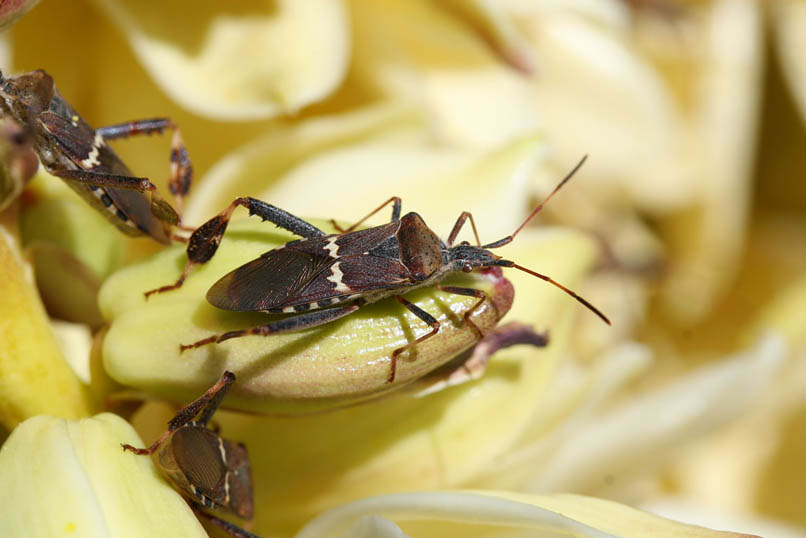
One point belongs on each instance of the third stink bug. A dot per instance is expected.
(212, 472)
(322, 277)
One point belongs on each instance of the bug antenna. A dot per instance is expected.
(535, 211)
(507, 263)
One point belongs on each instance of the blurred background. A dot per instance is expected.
(693, 115)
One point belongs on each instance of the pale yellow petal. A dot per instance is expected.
(71, 478)
(789, 18)
(608, 443)
(255, 167)
(480, 514)
(34, 376)
(250, 61)
(421, 52)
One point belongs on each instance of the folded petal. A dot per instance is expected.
(493, 513)
(238, 63)
(71, 478)
(34, 376)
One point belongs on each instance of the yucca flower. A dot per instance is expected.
(326, 108)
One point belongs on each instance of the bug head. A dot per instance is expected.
(25, 96)
(466, 257)
(210, 470)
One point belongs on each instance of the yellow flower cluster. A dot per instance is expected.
(685, 226)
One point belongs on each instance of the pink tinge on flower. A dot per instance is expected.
(12, 10)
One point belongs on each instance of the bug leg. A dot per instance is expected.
(206, 404)
(503, 336)
(159, 207)
(289, 324)
(469, 292)
(396, 205)
(102, 179)
(228, 527)
(181, 166)
(458, 226)
(203, 242)
(423, 315)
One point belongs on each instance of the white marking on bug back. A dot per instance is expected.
(223, 453)
(92, 159)
(336, 277)
(332, 248)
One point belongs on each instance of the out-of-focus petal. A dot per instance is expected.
(498, 29)
(421, 52)
(254, 168)
(481, 514)
(249, 61)
(71, 478)
(363, 158)
(706, 242)
(789, 18)
(582, 454)
(34, 376)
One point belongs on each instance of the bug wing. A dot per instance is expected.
(91, 153)
(267, 282)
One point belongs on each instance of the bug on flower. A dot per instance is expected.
(69, 148)
(211, 471)
(322, 277)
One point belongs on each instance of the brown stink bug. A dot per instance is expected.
(212, 472)
(321, 277)
(69, 148)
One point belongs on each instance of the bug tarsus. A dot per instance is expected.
(423, 315)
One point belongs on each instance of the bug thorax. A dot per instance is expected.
(26, 96)
(421, 251)
(465, 257)
(210, 470)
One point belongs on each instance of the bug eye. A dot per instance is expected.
(467, 267)
(464, 244)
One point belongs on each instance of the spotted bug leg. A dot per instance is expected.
(504, 336)
(181, 166)
(286, 325)
(204, 406)
(103, 179)
(204, 241)
(226, 526)
(423, 315)
(396, 206)
(95, 180)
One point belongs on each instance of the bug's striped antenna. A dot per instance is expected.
(508, 239)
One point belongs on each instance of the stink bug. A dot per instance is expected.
(69, 148)
(209, 470)
(325, 277)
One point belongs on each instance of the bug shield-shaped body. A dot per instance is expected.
(63, 141)
(370, 264)
(208, 469)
